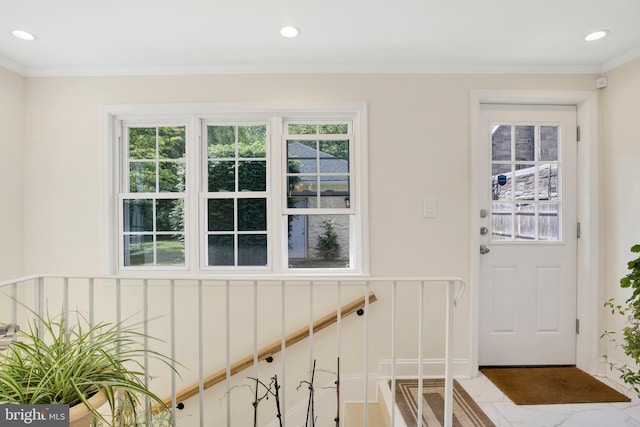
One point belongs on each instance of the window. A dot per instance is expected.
(152, 202)
(526, 172)
(236, 197)
(251, 191)
(318, 194)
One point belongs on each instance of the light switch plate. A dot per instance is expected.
(430, 208)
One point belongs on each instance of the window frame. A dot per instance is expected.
(124, 192)
(351, 211)
(194, 117)
(204, 195)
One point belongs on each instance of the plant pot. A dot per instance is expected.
(80, 415)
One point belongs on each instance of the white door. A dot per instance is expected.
(528, 233)
(298, 233)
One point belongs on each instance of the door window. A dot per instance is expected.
(525, 178)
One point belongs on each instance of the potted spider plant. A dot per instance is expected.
(54, 361)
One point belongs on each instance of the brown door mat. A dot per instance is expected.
(551, 386)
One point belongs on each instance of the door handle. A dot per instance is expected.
(484, 249)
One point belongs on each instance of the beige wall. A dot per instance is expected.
(621, 181)
(418, 136)
(11, 175)
(53, 167)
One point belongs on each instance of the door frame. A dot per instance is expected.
(589, 271)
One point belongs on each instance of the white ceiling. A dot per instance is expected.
(114, 37)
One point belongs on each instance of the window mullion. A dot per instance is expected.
(236, 239)
(536, 182)
(318, 179)
(277, 193)
(154, 230)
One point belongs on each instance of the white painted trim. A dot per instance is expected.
(361, 68)
(351, 387)
(13, 66)
(388, 406)
(335, 68)
(235, 110)
(190, 113)
(590, 254)
(350, 392)
(108, 217)
(360, 125)
(620, 60)
(589, 258)
(431, 368)
(604, 370)
(613, 377)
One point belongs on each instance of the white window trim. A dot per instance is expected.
(193, 115)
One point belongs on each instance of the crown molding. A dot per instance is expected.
(320, 69)
(620, 60)
(315, 69)
(12, 66)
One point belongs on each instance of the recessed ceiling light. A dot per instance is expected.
(289, 32)
(23, 35)
(596, 35)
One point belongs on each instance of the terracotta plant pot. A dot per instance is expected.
(80, 415)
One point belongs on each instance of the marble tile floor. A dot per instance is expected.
(504, 413)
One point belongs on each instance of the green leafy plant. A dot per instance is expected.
(128, 414)
(56, 362)
(631, 332)
(328, 245)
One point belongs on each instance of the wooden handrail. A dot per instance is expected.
(272, 349)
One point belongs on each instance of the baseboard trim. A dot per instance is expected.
(605, 370)
(352, 385)
(431, 368)
(351, 391)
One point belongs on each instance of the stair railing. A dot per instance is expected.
(115, 297)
